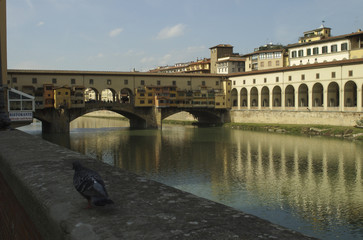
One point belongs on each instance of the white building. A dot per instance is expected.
(317, 46)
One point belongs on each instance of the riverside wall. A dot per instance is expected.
(293, 117)
(39, 175)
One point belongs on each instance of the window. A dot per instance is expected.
(308, 52)
(317, 76)
(290, 78)
(302, 76)
(350, 73)
(315, 51)
(73, 81)
(277, 54)
(277, 63)
(269, 63)
(34, 80)
(91, 81)
(265, 80)
(126, 81)
(174, 83)
(203, 83)
(142, 82)
(108, 81)
(54, 80)
(234, 82)
(158, 82)
(217, 83)
(262, 55)
(344, 47)
(293, 54)
(189, 83)
(332, 74)
(334, 48)
(301, 53)
(277, 79)
(254, 81)
(324, 49)
(262, 64)
(244, 81)
(269, 55)
(14, 80)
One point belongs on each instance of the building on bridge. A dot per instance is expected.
(72, 89)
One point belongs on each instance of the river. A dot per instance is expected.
(311, 185)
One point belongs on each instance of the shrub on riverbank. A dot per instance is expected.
(311, 130)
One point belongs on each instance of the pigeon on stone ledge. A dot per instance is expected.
(90, 185)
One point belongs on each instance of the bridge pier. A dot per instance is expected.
(58, 121)
(151, 121)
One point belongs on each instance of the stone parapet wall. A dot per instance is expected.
(40, 175)
(293, 117)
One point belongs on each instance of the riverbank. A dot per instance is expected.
(183, 118)
(351, 133)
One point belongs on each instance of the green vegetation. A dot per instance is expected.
(178, 122)
(296, 129)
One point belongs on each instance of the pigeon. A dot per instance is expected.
(90, 185)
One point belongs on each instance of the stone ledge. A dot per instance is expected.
(40, 175)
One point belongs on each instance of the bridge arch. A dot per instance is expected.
(290, 96)
(303, 95)
(350, 94)
(333, 95)
(265, 97)
(244, 97)
(126, 95)
(318, 95)
(109, 95)
(234, 97)
(276, 96)
(254, 97)
(91, 94)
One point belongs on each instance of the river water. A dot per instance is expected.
(311, 185)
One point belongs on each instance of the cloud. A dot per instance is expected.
(41, 23)
(170, 32)
(115, 32)
(30, 4)
(147, 59)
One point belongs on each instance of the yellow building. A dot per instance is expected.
(77, 97)
(62, 97)
(200, 66)
(144, 96)
(315, 35)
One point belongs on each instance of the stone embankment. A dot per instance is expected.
(40, 175)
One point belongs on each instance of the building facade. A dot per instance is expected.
(324, 48)
(331, 86)
(266, 57)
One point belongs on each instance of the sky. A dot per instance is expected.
(123, 35)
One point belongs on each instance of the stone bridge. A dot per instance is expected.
(58, 120)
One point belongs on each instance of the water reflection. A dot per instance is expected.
(313, 185)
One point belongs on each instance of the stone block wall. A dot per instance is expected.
(14, 222)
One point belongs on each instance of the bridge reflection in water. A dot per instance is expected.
(312, 185)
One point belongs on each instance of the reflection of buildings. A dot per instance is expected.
(321, 178)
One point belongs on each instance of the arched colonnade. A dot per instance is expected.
(319, 96)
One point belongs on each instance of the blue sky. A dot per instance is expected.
(119, 35)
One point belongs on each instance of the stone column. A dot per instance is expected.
(325, 98)
(359, 98)
(249, 99)
(310, 99)
(297, 100)
(238, 99)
